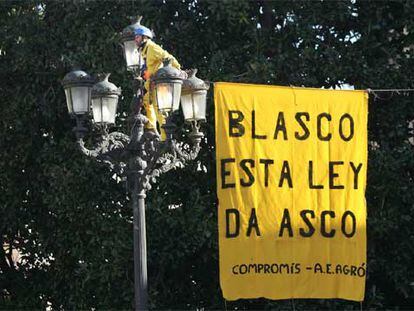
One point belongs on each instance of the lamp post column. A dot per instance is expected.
(140, 247)
(136, 177)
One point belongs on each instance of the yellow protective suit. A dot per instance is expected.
(153, 56)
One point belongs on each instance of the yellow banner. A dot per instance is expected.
(291, 177)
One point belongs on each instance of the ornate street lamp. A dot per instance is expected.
(194, 98)
(141, 157)
(104, 102)
(77, 85)
(193, 103)
(168, 81)
(132, 56)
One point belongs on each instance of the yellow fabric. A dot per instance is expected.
(154, 55)
(267, 195)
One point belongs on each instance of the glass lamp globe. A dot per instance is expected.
(194, 98)
(105, 101)
(77, 85)
(168, 81)
(132, 57)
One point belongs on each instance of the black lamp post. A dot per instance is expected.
(141, 157)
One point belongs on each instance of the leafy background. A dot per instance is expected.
(72, 222)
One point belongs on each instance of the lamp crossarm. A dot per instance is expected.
(110, 150)
(169, 156)
(114, 141)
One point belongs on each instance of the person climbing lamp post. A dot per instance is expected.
(140, 157)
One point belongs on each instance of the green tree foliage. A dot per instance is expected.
(72, 222)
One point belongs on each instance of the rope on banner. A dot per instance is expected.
(392, 91)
